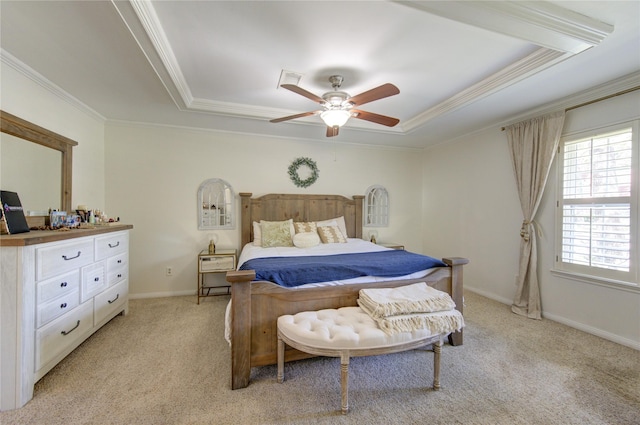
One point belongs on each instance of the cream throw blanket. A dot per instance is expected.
(411, 307)
(415, 298)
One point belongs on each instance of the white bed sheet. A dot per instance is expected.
(353, 245)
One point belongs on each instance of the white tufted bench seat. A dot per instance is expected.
(348, 332)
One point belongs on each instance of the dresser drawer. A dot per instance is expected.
(92, 280)
(111, 301)
(112, 244)
(117, 268)
(222, 263)
(57, 307)
(56, 336)
(59, 258)
(58, 286)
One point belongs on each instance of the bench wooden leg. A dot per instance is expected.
(280, 359)
(437, 349)
(344, 381)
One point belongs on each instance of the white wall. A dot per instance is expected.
(153, 174)
(471, 208)
(26, 98)
(465, 205)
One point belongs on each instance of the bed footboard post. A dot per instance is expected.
(457, 294)
(240, 322)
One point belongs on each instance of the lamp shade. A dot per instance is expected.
(335, 117)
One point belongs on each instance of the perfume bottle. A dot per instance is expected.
(212, 247)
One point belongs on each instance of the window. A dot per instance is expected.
(598, 204)
(216, 202)
(376, 207)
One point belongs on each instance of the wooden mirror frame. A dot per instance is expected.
(33, 133)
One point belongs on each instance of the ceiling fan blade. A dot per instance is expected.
(303, 92)
(332, 131)
(293, 117)
(380, 92)
(376, 118)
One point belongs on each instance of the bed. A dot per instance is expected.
(255, 305)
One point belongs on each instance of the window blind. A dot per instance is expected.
(596, 210)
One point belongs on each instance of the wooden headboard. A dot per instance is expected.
(300, 207)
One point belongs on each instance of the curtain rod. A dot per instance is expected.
(570, 108)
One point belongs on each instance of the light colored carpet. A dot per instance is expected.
(168, 363)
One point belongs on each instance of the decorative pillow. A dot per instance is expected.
(338, 221)
(305, 227)
(276, 233)
(306, 239)
(331, 234)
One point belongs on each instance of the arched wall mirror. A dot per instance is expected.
(216, 205)
(39, 172)
(376, 207)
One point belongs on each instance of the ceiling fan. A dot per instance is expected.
(338, 105)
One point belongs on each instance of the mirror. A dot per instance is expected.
(33, 156)
(216, 202)
(33, 171)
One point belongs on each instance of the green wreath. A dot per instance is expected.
(293, 172)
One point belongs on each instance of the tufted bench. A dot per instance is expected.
(348, 332)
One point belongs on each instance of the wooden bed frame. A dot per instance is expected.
(256, 305)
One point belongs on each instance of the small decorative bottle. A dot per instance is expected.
(212, 247)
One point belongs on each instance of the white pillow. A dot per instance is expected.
(257, 234)
(338, 221)
(306, 240)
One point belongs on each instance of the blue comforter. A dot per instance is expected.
(294, 271)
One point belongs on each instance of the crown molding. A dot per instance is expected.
(9, 60)
(624, 84)
(533, 63)
(538, 22)
(559, 33)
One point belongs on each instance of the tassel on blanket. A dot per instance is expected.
(440, 322)
(415, 298)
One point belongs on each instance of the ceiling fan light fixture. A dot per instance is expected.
(335, 117)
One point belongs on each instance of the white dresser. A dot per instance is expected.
(56, 289)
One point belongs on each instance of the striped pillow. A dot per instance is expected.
(305, 227)
(331, 234)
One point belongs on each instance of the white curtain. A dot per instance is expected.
(532, 144)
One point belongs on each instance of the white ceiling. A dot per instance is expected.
(460, 66)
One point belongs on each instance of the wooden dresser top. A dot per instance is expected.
(43, 236)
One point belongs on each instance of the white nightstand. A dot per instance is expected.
(222, 261)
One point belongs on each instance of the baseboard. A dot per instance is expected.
(162, 294)
(593, 331)
(572, 324)
(489, 295)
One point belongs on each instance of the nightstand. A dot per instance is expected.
(222, 261)
(391, 245)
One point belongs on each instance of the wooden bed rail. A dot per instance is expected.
(256, 306)
(456, 293)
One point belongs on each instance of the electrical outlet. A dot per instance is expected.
(169, 271)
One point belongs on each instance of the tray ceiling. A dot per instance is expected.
(460, 66)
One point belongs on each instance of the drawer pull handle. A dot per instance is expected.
(96, 279)
(71, 330)
(119, 275)
(63, 284)
(70, 258)
(114, 246)
(63, 305)
(114, 300)
(119, 261)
